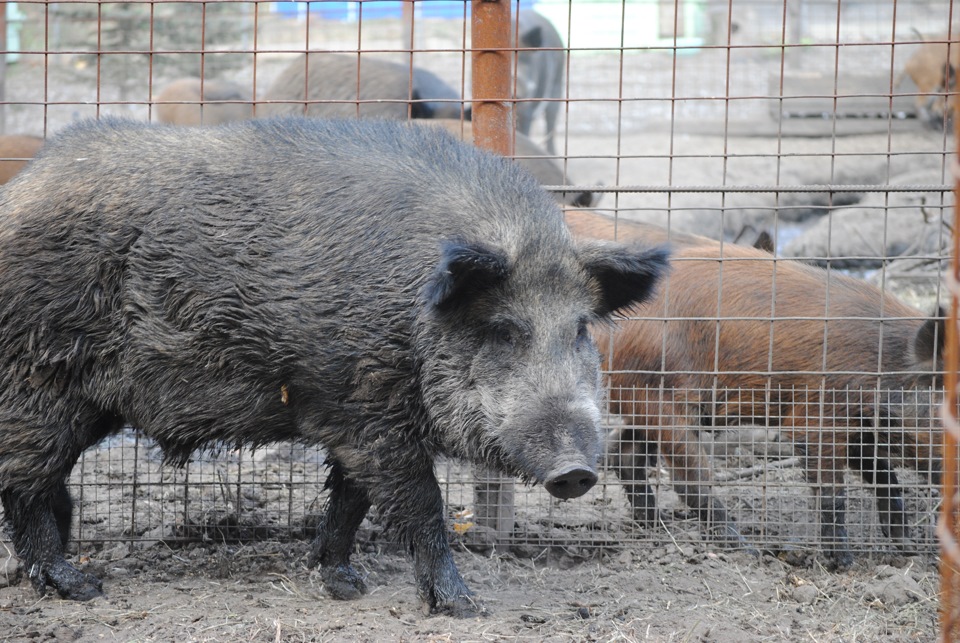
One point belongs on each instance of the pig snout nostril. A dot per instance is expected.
(571, 482)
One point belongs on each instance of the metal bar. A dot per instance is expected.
(948, 527)
(492, 130)
(752, 189)
(491, 56)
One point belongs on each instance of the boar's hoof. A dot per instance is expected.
(343, 582)
(448, 594)
(726, 535)
(839, 559)
(894, 522)
(645, 512)
(836, 550)
(70, 582)
(570, 482)
(463, 606)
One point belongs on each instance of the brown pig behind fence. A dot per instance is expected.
(190, 101)
(846, 371)
(933, 69)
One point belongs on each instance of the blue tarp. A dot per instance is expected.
(372, 9)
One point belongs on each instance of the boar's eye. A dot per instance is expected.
(506, 335)
(583, 336)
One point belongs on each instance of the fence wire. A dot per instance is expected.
(763, 476)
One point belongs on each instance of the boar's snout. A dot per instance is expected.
(570, 481)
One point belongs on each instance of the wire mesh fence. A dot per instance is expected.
(634, 104)
(764, 476)
(812, 138)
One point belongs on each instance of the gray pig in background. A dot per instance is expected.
(382, 290)
(541, 65)
(385, 89)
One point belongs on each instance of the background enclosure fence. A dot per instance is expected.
(791, 125)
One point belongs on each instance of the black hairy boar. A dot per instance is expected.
(531, 157)
(382, 290)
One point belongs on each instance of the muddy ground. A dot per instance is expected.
(218, 553)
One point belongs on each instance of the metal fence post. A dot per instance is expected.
(491, 64)
(948, 527)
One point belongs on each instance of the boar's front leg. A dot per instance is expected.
(440, 586)
(346, 507)
(690, 472)
(399, 481)
(40, 525)
(824, 452)
(630, 455)
(416, 508)
(832, 505)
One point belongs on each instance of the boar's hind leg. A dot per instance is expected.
(824, 452)
(345, 510)
(40, 525)
(862, 456)
(690, 471)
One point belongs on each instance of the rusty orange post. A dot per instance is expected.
(491, 66)
(948, 528)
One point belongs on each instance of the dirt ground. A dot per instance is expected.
(217, 552)
(262, 591)
(626, 583)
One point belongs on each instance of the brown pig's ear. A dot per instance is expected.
(464, 271)
(626, 276)
(929, 340)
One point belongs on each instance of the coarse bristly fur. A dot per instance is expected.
(381, 290)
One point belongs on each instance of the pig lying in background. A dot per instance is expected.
(933, 69)
(845, 371)
(15, 151)
(326, 85)
(382, 290)
(188, 102)
(529, 155)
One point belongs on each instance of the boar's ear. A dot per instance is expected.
(533, 38)
(626, 276)
(929, 340)
(418, 108)
(464, 271)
